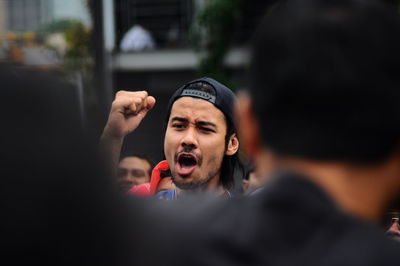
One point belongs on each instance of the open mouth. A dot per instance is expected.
(186, 164)
(187, 160)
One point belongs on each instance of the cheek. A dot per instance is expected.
(214, 147)
(169, 145)
(215, 152)
(214, 159)
(167, 141)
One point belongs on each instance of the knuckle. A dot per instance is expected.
(120, 93)
(116, 104)
(143, 94)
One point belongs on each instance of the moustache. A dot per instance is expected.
(189, 150)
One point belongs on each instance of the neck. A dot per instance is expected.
(362, 191)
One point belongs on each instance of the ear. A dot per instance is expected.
(248, 126)
(233, 145)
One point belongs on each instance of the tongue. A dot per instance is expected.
(182, 169)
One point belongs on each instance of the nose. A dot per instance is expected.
(189, 139)
(127, 179)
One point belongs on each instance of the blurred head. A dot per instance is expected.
(132, 170)
(325, 83)
(201, 142)
(59, 208)
(324, 94)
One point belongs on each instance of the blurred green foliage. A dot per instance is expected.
(211, 34)
(77, 59)
(55, 26)
(78, 54)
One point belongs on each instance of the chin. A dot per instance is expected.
(185, 184)
(185, 179)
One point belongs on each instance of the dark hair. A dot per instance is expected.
(229, 163)
(248, 169)
(325, 81)
(129, 153)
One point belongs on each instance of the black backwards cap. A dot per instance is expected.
(224, 98)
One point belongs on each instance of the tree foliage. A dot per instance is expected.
(212, 33)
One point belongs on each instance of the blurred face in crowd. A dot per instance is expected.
(194, 142)
(393, 230)
(132, 171)
(251, 184)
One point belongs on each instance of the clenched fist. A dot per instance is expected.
(127, 111)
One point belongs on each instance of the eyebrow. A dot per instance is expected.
(200, 123)
(206, 123)
(179, 119)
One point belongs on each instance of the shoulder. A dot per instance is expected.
(167, 194)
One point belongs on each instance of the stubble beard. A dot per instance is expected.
(193, 185)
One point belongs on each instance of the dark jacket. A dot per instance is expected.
(290, 222)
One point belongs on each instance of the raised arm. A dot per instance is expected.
(127, 111)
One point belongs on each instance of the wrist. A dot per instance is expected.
(110, 136)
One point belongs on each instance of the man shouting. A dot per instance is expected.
(200, 141)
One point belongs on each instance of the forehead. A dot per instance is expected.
(134, 163)
(195, 109)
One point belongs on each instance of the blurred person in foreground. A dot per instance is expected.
(324, 100)
(133, 169)
(200, 143)
(58, 207)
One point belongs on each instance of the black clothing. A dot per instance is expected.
(291, 222)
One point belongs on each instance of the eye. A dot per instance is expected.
(178, 126)
(138, 173)
(206, 129)
(121, 173)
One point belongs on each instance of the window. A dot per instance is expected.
(167, 20)
(25, 15)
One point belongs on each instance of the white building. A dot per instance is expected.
(28, 15)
